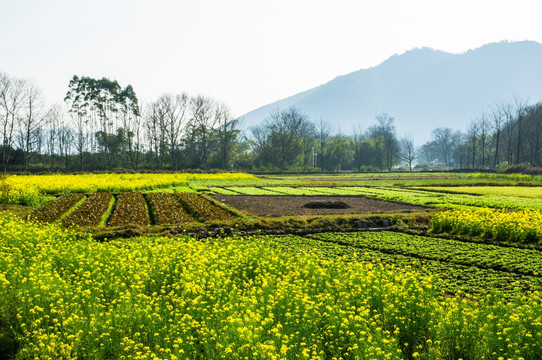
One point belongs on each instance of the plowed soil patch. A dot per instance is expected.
(280, 205)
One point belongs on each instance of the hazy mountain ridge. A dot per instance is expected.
(423, 89)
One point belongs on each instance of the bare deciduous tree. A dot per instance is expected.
(408, 150)
(323, 135)
(31, 121)
(203, 121)
(227, 133)
(11, 102)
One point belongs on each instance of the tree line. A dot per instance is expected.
(102, 126)
(509, 134)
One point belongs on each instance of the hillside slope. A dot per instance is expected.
(423, 89)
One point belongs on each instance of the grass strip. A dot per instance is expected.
(71, 209)
(108, 213)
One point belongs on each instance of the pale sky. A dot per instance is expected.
(246, 53)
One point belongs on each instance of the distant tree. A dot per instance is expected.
(201, 127)
(155, 125)
(520, 109)
(129, 111)
(167, 121)
(384, 141)
(227, 133)
(283, 139)
(483, 136)
(472, 143)
(31, 121)
(105, 101)
(323, 135)
(260, 145)
(498, 116)
(443, 139)
(339, 146)
(408, 150)
(11, 102)
(358, 145)
(54, 126)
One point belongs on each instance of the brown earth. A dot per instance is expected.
(281, 205)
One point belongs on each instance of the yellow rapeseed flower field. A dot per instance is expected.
(497, 224)
(65, 296)
(32, 189)
(522, 191)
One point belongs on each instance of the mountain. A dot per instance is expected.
(423, 89)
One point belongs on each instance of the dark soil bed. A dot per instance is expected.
(281, 205)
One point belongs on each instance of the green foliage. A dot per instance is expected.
(455, 271)
(252, 190)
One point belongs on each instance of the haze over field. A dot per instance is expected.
(423, 89)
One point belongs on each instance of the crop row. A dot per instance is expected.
(168, 209)
(54, 209)
(450, 277)
(514, 177)
(295, 190)
(204, 207)
(522, 261)
(252, 190)
(510, 226)
(518, 191)
(130, 209)
(91, 211)
(222, 191)
(461, 201)
(340, 190)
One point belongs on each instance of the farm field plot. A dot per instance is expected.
(251, 190)
(221, 190)
(403, 179)
(523, 226)
(460, 201)
(521, 191)
(91, 211)
(273, 205)
(168, 209)
(511, 197)
(204, 207)
(485, 256)
(472, 276)
(54, 184)
(130, 209)
(298, 190)
(63, 294)
(54, 209)
(32, 190)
